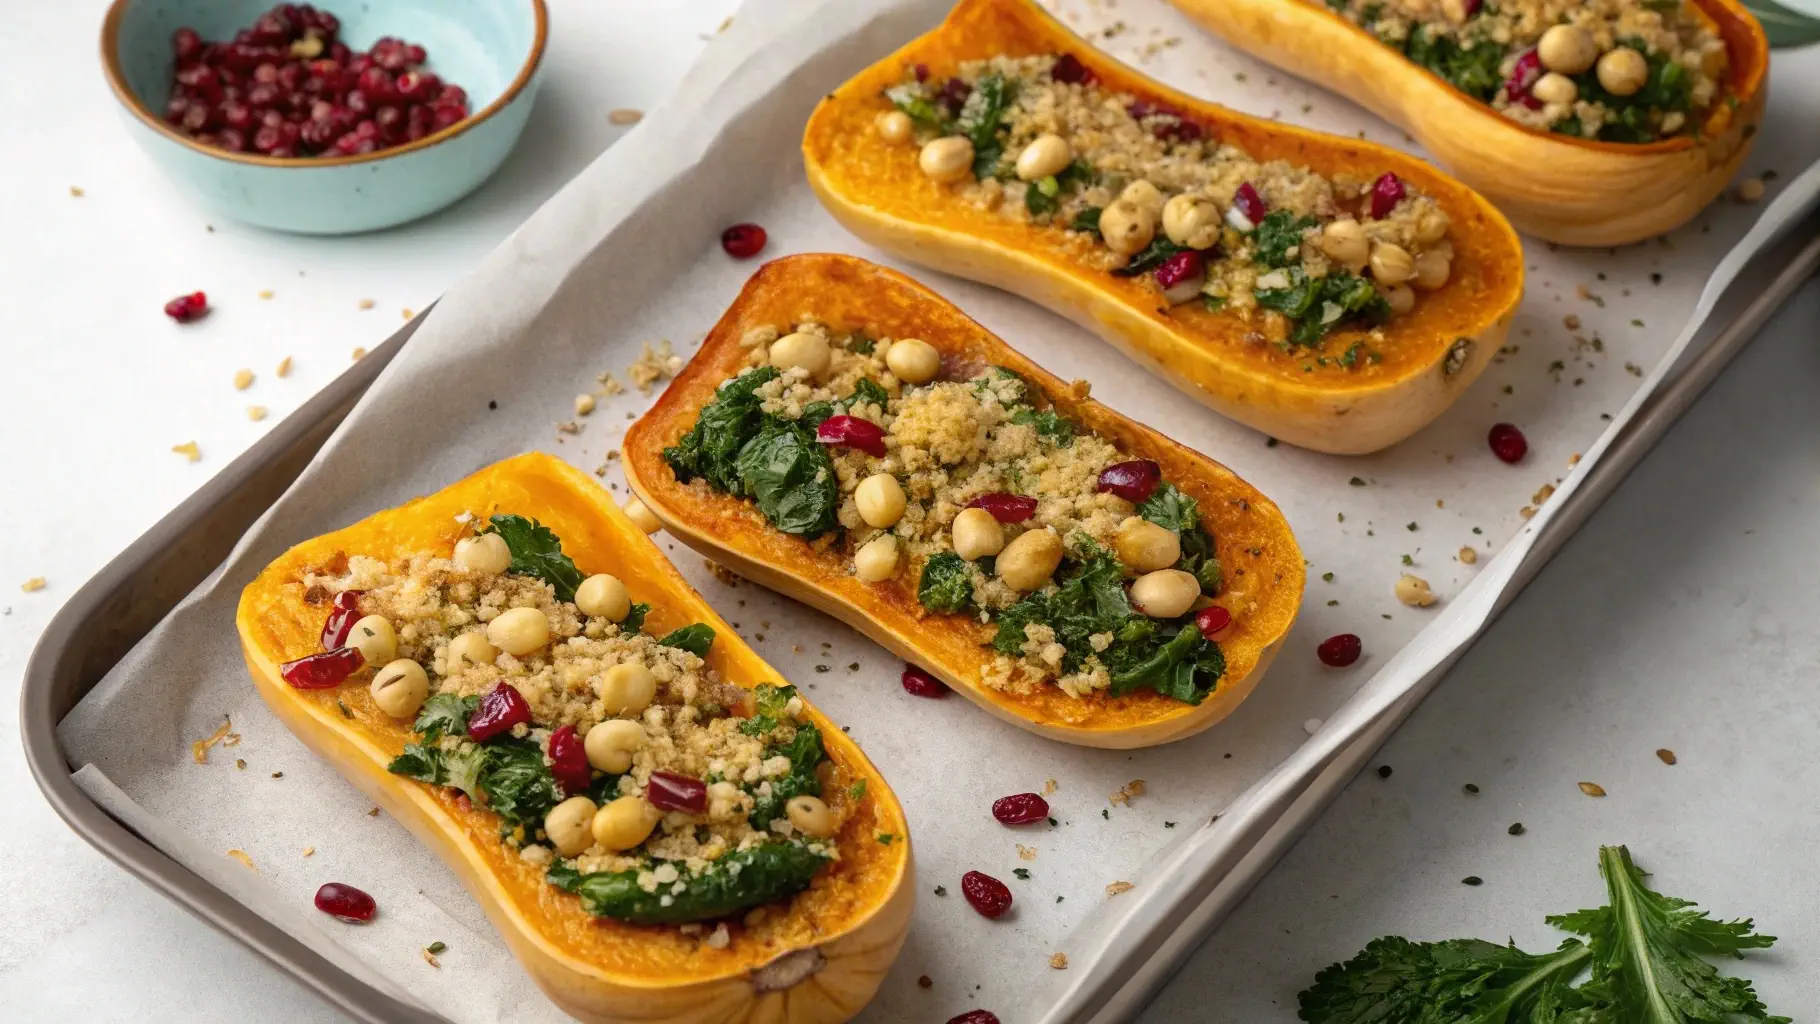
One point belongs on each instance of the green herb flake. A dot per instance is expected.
(437, 947)
(1023, 874)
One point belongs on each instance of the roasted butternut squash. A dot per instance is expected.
(1252, 541)
(1351, 392)
(818, 957)
(1557, 187)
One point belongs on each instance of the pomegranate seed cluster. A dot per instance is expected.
(1151, 194)
(287, 86)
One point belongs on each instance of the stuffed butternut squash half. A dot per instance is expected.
(1329, 292)
(846, 437)
(1588, 122)
(658, 826)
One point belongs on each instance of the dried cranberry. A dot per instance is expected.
(569, 761)
(322, 671)
(1471, 7)
(920, 683)
(1068, 68)
(1135, 481)
(988, 895)
(975, 1017)
(341, 620)
(1140, 109)
(743, 241)
(1386, 193)
(1507, 442)
(345, 902)
(1523, 77)
(1006, 508)
(668, 791)
(1250, 204)
(853, 432)
(1019, 809)
(1340, 650)
(921, 71)
(185, 308)
(500, 709)
(1215, 623)
(953, 94)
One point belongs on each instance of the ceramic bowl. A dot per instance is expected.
(491, 48)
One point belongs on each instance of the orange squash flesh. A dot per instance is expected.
(878, 192)
(819, 958)
(1256, 549)
(1567, 190)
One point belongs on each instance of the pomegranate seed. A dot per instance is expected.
(919, 683)
(1019, 809)
(377, 84)
(852, 432)
(743, 241)
(237, 115)
(1523, 78)
(500, 709)
(197, 118)
(1507, 442)
(282, 153)
(291, 77)
(1179, 130)
(1215, 623)
(454, 95)
(231, 139)
(1340, 650)
(1182, 275)
(953, 94)
(921, 71)
(569, 761)
(267, 139)
(357, 102)
(1135, 481)
(975, 1017)
(390, 121)
(417, 85)
(1006, 508)
(988, 895)
(201, 81)
(1068, 68)
(186, 45)
(337, 899)
(668, 791)
(1386, 193)
(1250, 204)
(341, 619)
(266, 73)
(448, 115)
(367, 129)
(323, 671)
(175, 108)
(185, 308)
(414, 54)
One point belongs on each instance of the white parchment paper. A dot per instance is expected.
(628, 254)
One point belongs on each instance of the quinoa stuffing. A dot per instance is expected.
(1086, 569)
(1613, 70)
(1146, 192)
(619, 762)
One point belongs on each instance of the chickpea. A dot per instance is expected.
(485, 553)
(611, 744)
(374, 638)
(1431, 226)
(642, 517)
(569, 825)
(466, 651)
(1047, 154)
(1145, 195)
(947, 160)
(1568, 49)
(1555, 89)
(1144, 546)
(1127, 227)
(627, 688)
(1344, 242)
(1432, 269)
(1029, 560)
(977, 534)
(400, 688)
(913, 361)
(1192, 221)
(624, 823)
(893, 126)
(880, 499)
(1391, 263)
(809, 814)
(519, 631)
(801, 348)
(876, 560)
(1413, 591)
(1401, 297)
(604, 596)
(1623, 71)
(1165, 593)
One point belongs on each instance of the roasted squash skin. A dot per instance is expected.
(1429, 358)
(819, 961)
(1566, 190)
(1264, 570)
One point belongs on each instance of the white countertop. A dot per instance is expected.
(1691, 630)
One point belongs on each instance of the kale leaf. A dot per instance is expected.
(1279, 232)
(1171, 509)
(946, 584)
(1185, 666)
(1058, 430)
(695, 638)
(790, 476)
(1319, 304)
(711, 448)
(1474, 70)
(537, 552)
(1461, 981)
(770, 702)
(866, 392)
(805, 752)
(517, 782)
(923, 113)
(745, 878)
(1090, 600)
(444, 714)
(1154, 255)
(1088, 219)
(982, 120)
(635, 619)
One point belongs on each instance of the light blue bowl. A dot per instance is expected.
(491, 48)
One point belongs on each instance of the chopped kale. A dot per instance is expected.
(695, 638)
(1170, 508)
(635, 619)
(517, 782)
(790, 477)
(1091, 600)
(923, 113)
(1087, 220)
(1279, 232)
(1185, 666)
(1153, 256)
(805, 752)
(711, 448)
(744, 878)
(1473, 69)
(537, 552)
(982, 120)
(1319, 304)
(946, 584)
(444, 714)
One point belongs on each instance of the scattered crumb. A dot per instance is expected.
(255, 413)
(1666, 755)
(240, 763)
(1118, 887)
(584, 404)
(32, 585)
(924, 981)
(1130, 789)
(367, 303)
(1542, 494)
(568, 427)
(625, 115)
(609, 384)
(359, 353)
(1311, 726)
(1592, 789)
(309, 851)
(1025, 852)
(1574, 459)
(725, 24)
(284, 367)
(430, 958)
(243, 379)
(407, 312)
(1049, 786)
(1750, 190)
(718, 938)
(721, 573)
(1468, 556)
(265, 293)
(1059, 961)
(1571, 322)
(188, 450)
(1527, 512)
(1414, 592)
(76, 192)
(653, 366)
(374, 813)
(199, 750)
(241, 856)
